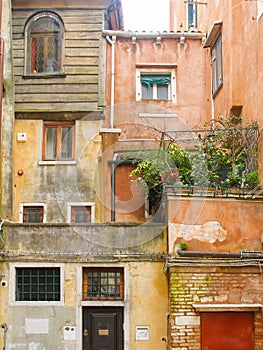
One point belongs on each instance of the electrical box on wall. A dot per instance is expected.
(69, 333)
(21, 136)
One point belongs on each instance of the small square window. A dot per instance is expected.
(33, 214)
(58, 141)
(37, 284)
(152, 84)
(103, 284)
(80, 214)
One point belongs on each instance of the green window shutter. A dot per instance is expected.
(150, 79)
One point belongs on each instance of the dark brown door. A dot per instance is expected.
(227, 330)
(102, 328)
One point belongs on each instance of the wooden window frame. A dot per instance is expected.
(28, 208)
(80, 208)
(29, 52)
(59, 127)
(100, 296)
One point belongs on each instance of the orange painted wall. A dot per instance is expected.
(228, 225)
(191, 104)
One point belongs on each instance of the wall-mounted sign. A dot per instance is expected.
(142, 333)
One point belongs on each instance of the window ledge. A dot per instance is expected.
(44, 76)
(226, 307)
(157, 115)
(57, 162)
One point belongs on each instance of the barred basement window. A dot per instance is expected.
(80, 214)
(38, 284)
(32, 214)
(103, 284)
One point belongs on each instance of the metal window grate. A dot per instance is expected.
(105, 284)
(32, 214)
(38, 284)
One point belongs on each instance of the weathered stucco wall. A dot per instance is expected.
(191, 106)
(55, 184)
(215, 224)
(140, 250)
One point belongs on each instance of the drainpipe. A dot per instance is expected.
(203, 254)
(113, 164)
(112, 42)
(1, 97)
(4, 328)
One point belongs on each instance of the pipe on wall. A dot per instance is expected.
(204, 254)
(112, 42)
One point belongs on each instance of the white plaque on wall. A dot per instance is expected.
(142, 332)
(37, 325)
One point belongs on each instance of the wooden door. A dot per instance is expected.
(102, 328)
(227, 330)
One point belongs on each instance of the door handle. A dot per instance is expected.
(85, 333)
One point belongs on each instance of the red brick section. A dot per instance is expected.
(190, 286)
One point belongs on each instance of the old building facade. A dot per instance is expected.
(86, 262)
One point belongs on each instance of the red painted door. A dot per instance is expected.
(227, 330)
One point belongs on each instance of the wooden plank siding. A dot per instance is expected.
(81, 88)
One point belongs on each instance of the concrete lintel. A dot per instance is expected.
(226, 307)
(110, 130)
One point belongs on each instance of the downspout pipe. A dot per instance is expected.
(203, 254)
(1, 96)
(112, 42)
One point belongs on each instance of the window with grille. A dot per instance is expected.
(44, 44)
(33, 214)
(38, 284)
(103, 284)
(58, 141)
(80, 214)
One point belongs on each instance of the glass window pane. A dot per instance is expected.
(162, 91)
(66, 143)
(51, 142)
(147, 91)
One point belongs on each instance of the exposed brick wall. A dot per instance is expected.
(190, 286)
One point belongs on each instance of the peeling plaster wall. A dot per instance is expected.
(215, 224)
(55, 185)
(139, 249)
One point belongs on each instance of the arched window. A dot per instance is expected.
(44, 41)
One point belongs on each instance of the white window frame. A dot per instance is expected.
(21, 210)
(158, 71)
(12, 284)
(194, 24)
(80, 204)
(260, 8)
